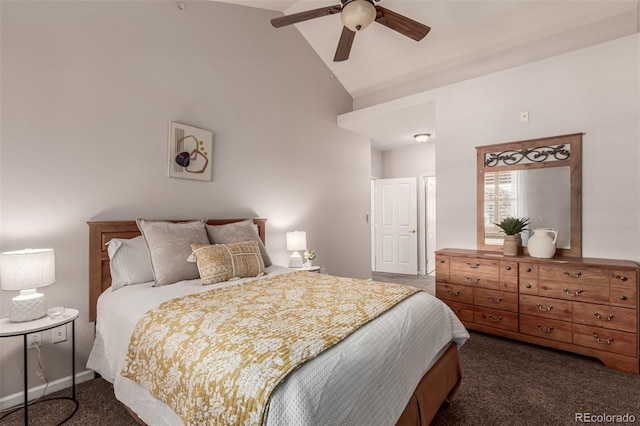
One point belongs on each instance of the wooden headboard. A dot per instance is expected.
(101, 232)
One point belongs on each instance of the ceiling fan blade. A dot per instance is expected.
(344, 45)
(305, 16)
(406, 26)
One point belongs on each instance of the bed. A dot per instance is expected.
(396, 369)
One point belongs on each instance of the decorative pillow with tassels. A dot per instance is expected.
(225, 262)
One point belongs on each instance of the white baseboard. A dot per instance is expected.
(35, 392)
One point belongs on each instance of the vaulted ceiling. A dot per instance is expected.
(467, 38)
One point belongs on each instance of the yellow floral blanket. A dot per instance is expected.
(215, 357)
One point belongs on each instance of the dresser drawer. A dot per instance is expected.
(576, 291)
(528, 270)
(625, 297)
(528, 286)
(546, 307)
(606, 340)
(442, 267)
(457, 293)
(463, 311)
(606, 316)
(546, 328)
(575, 275)
(475, 279)
(496, 318)
(480, 267)
(624, 278)
(509, 276)
(495, 299)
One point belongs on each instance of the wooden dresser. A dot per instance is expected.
(581, 305)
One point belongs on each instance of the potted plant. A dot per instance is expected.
(309, 255)
(512, 226)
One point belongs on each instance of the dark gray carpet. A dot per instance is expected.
(505, 383)
(512, 383)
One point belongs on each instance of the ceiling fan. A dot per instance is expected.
(356, 15)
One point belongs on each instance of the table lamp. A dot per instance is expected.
(26, 270)
(296, 241)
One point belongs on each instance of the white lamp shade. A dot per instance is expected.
(358, 14)
(296, 240)
(27, 269)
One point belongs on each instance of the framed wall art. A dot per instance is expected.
(190, 152)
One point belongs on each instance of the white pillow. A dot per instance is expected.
(130, 262)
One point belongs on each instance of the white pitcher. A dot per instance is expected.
(541, 244)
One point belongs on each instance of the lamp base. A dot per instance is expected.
(295, 260)
(28, 306)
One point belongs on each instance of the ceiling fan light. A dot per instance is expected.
(358, 14)
(422, 137)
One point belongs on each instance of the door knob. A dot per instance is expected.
(413, 231)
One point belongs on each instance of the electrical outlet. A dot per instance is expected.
(524, 117)
(34, 339)
(59, 334)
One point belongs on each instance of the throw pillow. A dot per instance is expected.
(169, 246)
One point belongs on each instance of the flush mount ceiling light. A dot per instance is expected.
(422, 137)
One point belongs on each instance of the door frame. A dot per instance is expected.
(422, 225)
(422, 220)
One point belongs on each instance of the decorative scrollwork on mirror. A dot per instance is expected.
(540, 179)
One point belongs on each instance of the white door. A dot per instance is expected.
(396, 221)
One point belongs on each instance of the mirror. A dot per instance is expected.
(542, 195)
(539, 179)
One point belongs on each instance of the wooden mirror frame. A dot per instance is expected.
(556, 151)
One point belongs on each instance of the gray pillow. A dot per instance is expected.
(170, 245)
(237, 232)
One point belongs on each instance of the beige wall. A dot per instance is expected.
(409, 161)
(87, 92)
(595, 90)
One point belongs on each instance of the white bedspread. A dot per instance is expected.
(366, 379)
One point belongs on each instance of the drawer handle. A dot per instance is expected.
(508, 268)
(624, 278)
(572, 274)
(548, 308)
(528, 269)
(477, 280)
(498, 300)
(544, 330)
(603, 342)
(575, 294)
(492, 318)
(473, 266)
(528, 285)
(457, 293)
(608, 318)
(441, 260)
(623, 297)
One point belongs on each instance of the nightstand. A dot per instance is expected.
(308, 269)
(11, 329)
